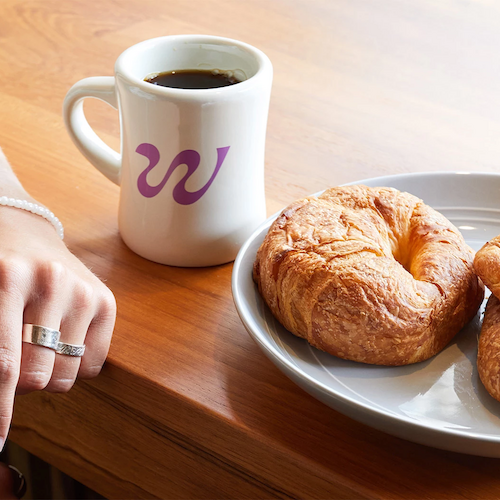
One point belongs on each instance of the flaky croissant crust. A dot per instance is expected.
(488, 363)
(368, 274)
(487, 266)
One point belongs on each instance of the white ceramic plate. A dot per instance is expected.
(440, 402)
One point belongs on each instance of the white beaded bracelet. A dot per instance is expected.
(35, 209)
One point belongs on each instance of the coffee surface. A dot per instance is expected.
(192, 79)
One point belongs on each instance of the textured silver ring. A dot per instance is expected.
(41, 335)
(70, 349)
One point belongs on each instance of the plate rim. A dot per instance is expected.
(286, 365)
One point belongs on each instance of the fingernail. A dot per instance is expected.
(19, 482)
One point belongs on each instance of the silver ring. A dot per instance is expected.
(40, 335)
(70, 349)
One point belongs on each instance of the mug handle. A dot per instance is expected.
(104, 158)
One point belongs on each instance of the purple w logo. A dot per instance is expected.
(187, 157)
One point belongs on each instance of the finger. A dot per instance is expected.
(37, 362)
(99, 336)
(44, 307)
(11, 321)
(74, 326)
(6, 483)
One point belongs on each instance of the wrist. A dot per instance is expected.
(12, 194)
(35, 209)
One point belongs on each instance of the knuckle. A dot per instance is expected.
(88, 372)
(5, 419)
(51, 275)
(34, 380)
(12, 274)
(60, 385)
(9, 366)
(83, 297)
(108, 304)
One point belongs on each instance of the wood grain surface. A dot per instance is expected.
(187, 405)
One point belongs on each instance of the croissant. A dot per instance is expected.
(488, 363)
(487, 266)
(368, 274)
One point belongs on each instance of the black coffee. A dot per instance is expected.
(193, 79)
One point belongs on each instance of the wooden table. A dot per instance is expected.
(187, 405)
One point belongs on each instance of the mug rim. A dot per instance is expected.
(264, 67)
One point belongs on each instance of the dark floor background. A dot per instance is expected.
(45, 482)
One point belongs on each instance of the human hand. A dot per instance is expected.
(42, 283)
(7, 483)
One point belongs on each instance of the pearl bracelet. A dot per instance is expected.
(35, 209)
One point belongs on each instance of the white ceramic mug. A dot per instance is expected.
(191, 167)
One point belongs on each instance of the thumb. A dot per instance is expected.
(10, 479)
